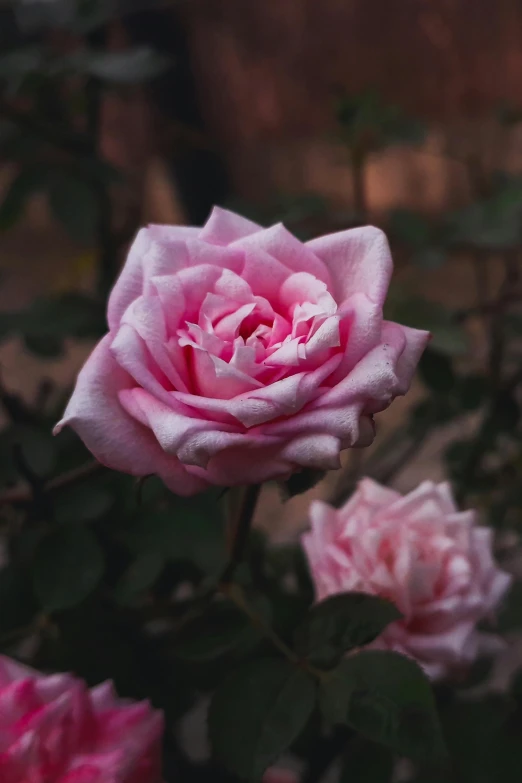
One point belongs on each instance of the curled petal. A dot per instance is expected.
(314, 451)
(223, 227)
(130, 282)
(359, 261)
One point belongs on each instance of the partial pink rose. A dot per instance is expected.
(237, 354)
(418, 551)
(280, 775)
(54, 730)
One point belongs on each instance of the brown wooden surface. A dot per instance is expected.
(268, 66)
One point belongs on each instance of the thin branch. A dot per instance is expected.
(490, 308)
(18, 495)
(73, 143)
(235, 594)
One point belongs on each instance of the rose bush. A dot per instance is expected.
(237, 354)
(55, 730)
(418, 551)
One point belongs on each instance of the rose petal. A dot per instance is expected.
(194, 441)
(145, 316)
(314, 451)
(303, 287)
(200, 252)
(360, 330)
(264, 273)
(234, 467)
(115, 439)
(287, 249)
(167, 234)
(216, 379)
(129, 284)
(416, 342)
(359, 261)
(223, 227)
(324, 339)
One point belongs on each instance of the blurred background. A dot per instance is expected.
(402, 113)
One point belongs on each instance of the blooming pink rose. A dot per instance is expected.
(54, 730)
(237, 354)
(418, 551)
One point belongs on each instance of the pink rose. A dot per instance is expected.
(280, 775)
(418, 551)
(237, 354)
(55, 730)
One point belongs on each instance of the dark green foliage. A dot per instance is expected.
(387, 698)
(367, 122)
(366, 762)
(257, 713)
(302, 481)
(129, 67)
(340, 624)
(68, 566)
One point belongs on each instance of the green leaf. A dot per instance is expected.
(69, 315)
(436, 370)
(457, 455)
(410, 227)
(366, 762)
(19, 63)
(492, 224)
(447, 334)
(471, 392)
(302, 481)
(139, 576)
(509, 115)
(191, 530)
(430, 257)
(49, 321)
(220, 630)
(257, 712)
(37, 446)
(133, 66)
(27, 183)
(83, 502)
(68, 566)
(341, 623)
(480, 741)
(47, 346)
(17, 602)
(73, 203)
(505, 413)
(509, 618)
(214, 633)
(368, 122)
(387, 698)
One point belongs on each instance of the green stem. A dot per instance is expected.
(235, 594)
(360, 200)
(241, 531)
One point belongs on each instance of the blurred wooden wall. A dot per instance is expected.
(267, 69)
(269, 66)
